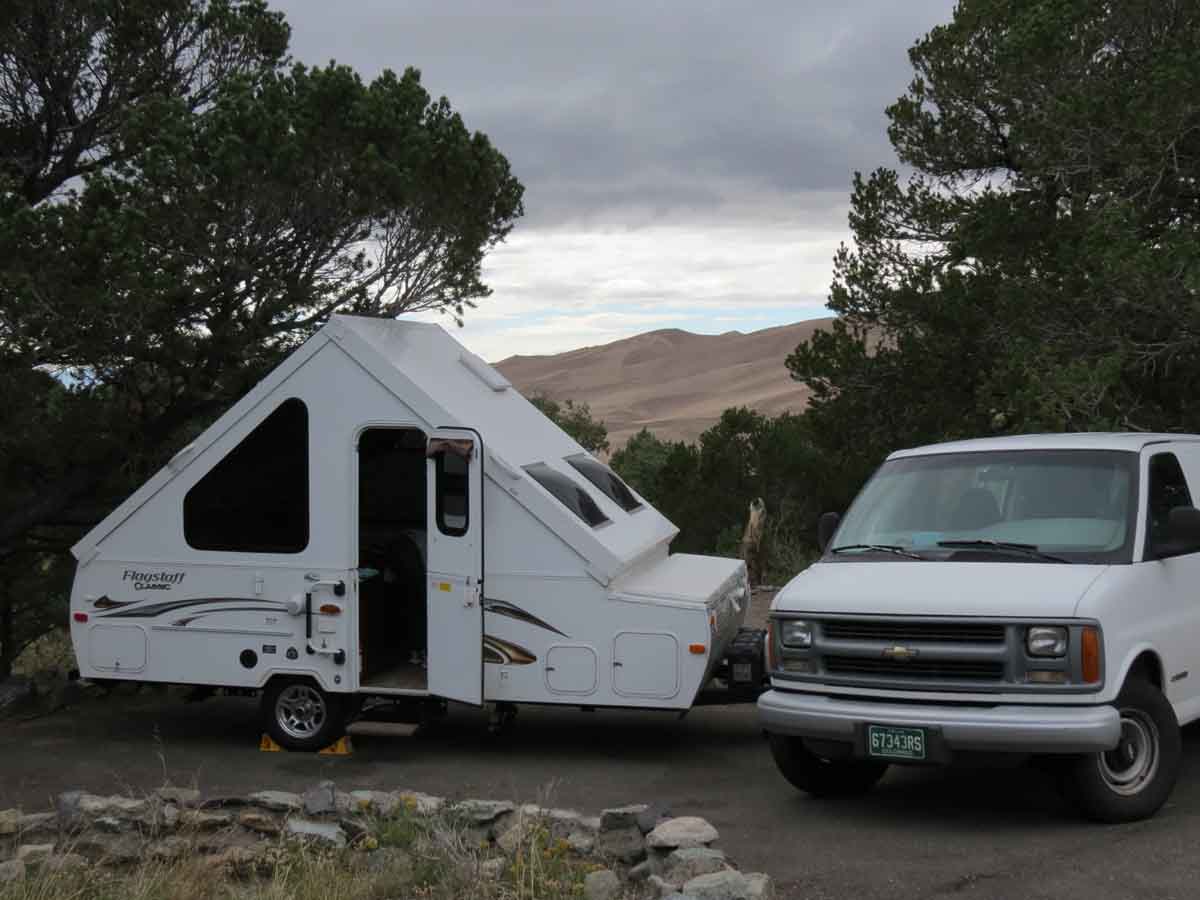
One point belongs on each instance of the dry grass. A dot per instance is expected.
(406, 855)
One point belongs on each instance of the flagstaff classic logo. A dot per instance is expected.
(153, 581)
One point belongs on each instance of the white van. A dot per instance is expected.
(385, 516)
(1023, 595)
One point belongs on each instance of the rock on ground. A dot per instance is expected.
(730, 885)
(663, 888)
(425, 804)
(621, 816)
(186, 798)
(625, 844)
(36, 823)
(692, 862)
(277, 801)
(259, 822)
(382, 802)
(685, 831)
(322, 832)
(34, 852)
(483, 812)
(198, 820)
(601, 885)
(321, 799)
(580, 842)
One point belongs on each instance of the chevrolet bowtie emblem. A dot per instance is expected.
(901, 654)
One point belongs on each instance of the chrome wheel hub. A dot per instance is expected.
(1133, 763)
(300, 711)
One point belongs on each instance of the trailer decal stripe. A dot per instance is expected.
(512, 611)
(505, 653)
(150, 610)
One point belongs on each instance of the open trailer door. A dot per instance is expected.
(455, 565)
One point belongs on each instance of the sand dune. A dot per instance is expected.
(673, 382)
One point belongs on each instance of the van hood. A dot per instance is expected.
(1008, 589)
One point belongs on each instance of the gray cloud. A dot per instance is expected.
(633, 111)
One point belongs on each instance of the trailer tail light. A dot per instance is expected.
(1091, 655)
(697, 649)
(330, 609)
(80, 617)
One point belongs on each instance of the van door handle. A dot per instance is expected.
(616, 663)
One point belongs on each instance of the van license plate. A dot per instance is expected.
(888, 742)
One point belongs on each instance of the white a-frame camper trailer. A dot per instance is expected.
(385, 516)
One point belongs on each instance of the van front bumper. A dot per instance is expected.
(1000, 729)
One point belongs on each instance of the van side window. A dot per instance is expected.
(453, 500)
(1168, 489)
(255, 500)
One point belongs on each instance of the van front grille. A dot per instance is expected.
(953, 669)
(913, 632)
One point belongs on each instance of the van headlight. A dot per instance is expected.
(1046, 640)
(795, 633)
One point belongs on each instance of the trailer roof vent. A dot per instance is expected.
(484, 372)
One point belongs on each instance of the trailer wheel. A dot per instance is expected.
(822, 777)
(299, 715)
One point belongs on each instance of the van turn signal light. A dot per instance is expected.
(1091, 655)
(696, 648)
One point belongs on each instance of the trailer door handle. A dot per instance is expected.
(616, 662)
(339, 587)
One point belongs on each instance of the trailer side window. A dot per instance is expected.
(606, 480)
(568, 493)
(255, 500)
(452, 493)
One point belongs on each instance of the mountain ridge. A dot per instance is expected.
(674, 382)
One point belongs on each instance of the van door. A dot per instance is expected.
(455, 565)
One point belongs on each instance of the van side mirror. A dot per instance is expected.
(826, 526)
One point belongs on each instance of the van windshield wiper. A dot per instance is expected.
(882, 548)
(1004, 546)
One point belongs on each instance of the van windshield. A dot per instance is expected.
(1078, 505)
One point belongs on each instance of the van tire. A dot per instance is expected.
(1134, 780)
(820, 777)
(299, 715)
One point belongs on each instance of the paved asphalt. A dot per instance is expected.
(921, 833)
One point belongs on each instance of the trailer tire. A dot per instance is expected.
(1133, 780)
(821, 777)
(299, 715)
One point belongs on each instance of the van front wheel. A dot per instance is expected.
(822, 777)
(299, 715)
(1131, 781)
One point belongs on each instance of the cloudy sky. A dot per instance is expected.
(686, 164)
